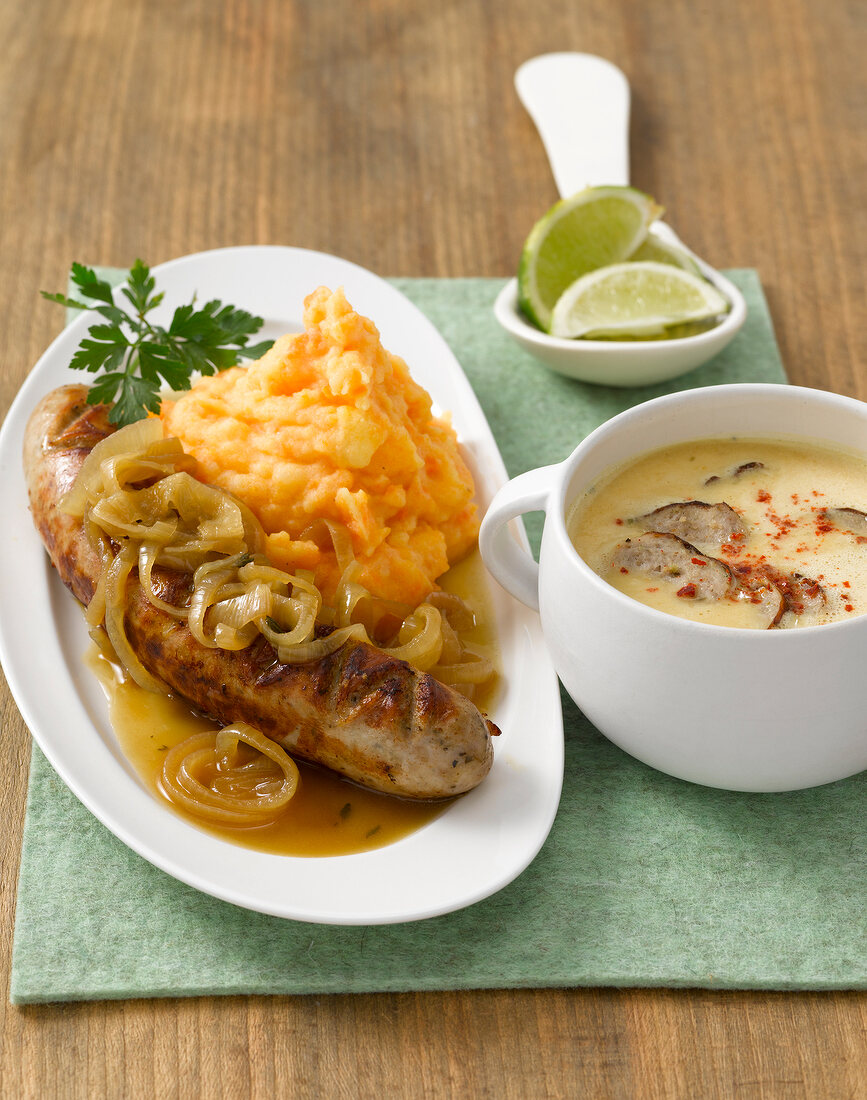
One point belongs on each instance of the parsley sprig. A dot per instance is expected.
(139, 357)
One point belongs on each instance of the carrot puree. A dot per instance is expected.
(328, 433)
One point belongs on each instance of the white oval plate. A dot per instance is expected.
(477, 846)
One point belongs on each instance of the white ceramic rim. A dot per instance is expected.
(508, 313)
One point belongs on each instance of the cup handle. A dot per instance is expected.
(509, 561)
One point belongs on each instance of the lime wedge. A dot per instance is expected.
(598, 226)
(634, 299)
(656, 250)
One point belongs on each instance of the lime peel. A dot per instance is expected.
(595, 228)
(654, 248)
(635, 298)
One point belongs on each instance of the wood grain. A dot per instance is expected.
(389, 133)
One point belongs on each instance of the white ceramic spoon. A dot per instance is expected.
(580, 105)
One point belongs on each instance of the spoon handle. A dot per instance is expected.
(580, 105)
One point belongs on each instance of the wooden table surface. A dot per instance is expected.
(388, 132)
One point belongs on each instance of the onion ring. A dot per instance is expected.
(143, 510)
(238, 793)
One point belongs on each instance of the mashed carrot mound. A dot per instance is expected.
(329, 426)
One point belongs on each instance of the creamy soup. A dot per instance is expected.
(750, 533)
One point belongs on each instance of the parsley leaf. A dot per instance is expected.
(137, 357)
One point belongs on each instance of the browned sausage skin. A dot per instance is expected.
(360, 712)
(696, 521)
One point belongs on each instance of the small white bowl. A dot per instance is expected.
(580, 105)
(749, 710)
(623, 363)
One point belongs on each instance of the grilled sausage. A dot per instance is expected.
(669, 558)
(744, 468)
(360, 712)
(672, 558)
(851, 520)
(696, 521)
(802, 597)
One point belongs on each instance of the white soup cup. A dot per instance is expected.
(748, 710)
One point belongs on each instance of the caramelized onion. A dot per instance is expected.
(115, 608)
(143, 510)
(420, 638)
(459, 615)
(208, 776)
(342, 541)
(148, 554)
(89, 484)
(472, 670)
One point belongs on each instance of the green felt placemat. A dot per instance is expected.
(644, 881)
